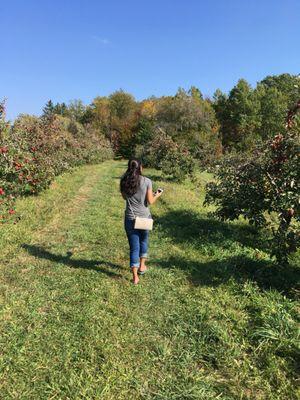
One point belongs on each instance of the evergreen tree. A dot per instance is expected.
(48, 110)
(61, 109)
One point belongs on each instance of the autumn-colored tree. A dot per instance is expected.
(100, 110)
(123, 122)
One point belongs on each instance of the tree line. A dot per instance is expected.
(206, 127)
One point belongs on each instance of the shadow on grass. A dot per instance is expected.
(187, 226)
(265, 274)
(40, 252)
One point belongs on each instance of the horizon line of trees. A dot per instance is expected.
(206, 127)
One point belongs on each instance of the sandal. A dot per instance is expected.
(142, 272)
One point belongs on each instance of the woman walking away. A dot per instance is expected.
(136, 189)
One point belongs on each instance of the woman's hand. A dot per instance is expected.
(152, 197)
(158, 193)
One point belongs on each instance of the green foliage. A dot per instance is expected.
(123, 120)
(100, 116)
(273, 106)
(172, 158)
(187, 119)
(34, 150)
(208, 128)
(184, 112)
(75, 110)
(116, 117)
(262, 186)
(121, 104)
(61, 109)
(247, 115)
(145, 131)
(49, 109)
(287, 84)
(238, 115)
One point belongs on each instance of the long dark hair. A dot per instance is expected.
(130, 181)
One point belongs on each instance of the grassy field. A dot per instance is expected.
(212, 319)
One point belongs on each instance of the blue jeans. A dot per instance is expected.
(138, 242)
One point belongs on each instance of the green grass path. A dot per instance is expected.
(212, 319)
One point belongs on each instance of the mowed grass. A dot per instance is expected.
(213, 318)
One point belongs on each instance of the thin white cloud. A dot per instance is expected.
(101, 40)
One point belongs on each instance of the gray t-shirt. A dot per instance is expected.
(138, 202)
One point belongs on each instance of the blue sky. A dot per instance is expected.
(80, 49)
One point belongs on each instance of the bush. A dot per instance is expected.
(265, 185)
(172, 158)
(34, 150)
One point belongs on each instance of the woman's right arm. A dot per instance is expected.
(151, 198)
